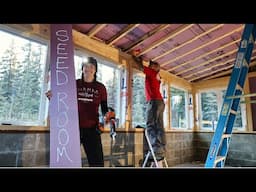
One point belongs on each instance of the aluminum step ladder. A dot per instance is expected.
(150, 153)
(221, 139)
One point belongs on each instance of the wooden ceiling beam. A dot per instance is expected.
(189, 41)
(219, 74)
(146, 36)
(221, 69)
(166, 38)
(96, 29)
(207, 69)
(206, 62)
(122, 33)
(202, 46)
(206, 54)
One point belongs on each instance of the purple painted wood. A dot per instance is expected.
(64, 127)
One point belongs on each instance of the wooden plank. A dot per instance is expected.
(96, 29)
(122, 33)
(65, 148)
(144, 37)
(188, 42)
(218, 64)
(166, 38)
(200, 56)
(244, 95)
(205, 63)
(206, 44)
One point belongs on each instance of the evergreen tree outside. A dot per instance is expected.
(238, 124)
(110, 77)
(178, 108)
(22, 64)
(209, 108)
(138, 101)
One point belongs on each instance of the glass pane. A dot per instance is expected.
(138, 101)
(178, 107)
(238, 121)
(165, 98)
(110, 77)
(22, 69)
(209, 109)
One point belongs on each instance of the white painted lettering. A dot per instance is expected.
(60, 62)
(61, 77)
(61, 49)
(61, 97)
(63, 137)
(62, 35)
(61, 152)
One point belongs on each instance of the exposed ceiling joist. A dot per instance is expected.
(219, 70)
(146, 36)
(207, 69)
(122, 33)
(201, 50)
(206, 54)
(166, 38)
(204, 45)
(189, 41)
(206, 62)
(221, 74)
(96, 29)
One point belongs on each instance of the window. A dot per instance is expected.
(22, 77)
(110, 77)
(209, 109)
(164, 92)
(239, 123)
(138, 100)
(178, 107)
(211, 103)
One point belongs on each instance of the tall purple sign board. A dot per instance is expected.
(64, 127)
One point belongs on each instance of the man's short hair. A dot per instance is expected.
(152, 63)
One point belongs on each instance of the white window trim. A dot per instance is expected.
(43, 103)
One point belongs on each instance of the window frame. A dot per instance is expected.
(186, 108)
(220, 100)
(43, 101)
(139, 73)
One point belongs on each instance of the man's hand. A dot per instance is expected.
(48, 94)
(109, 115)
(136, 52)
(100, 128)
(137, 59)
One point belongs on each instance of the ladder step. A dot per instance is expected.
(219, 158)
(160, 164)
(239, 96)
(251, 39)
(252, 101)
(245, 63)
(238, 87)
(233, 111)
(224, 136)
